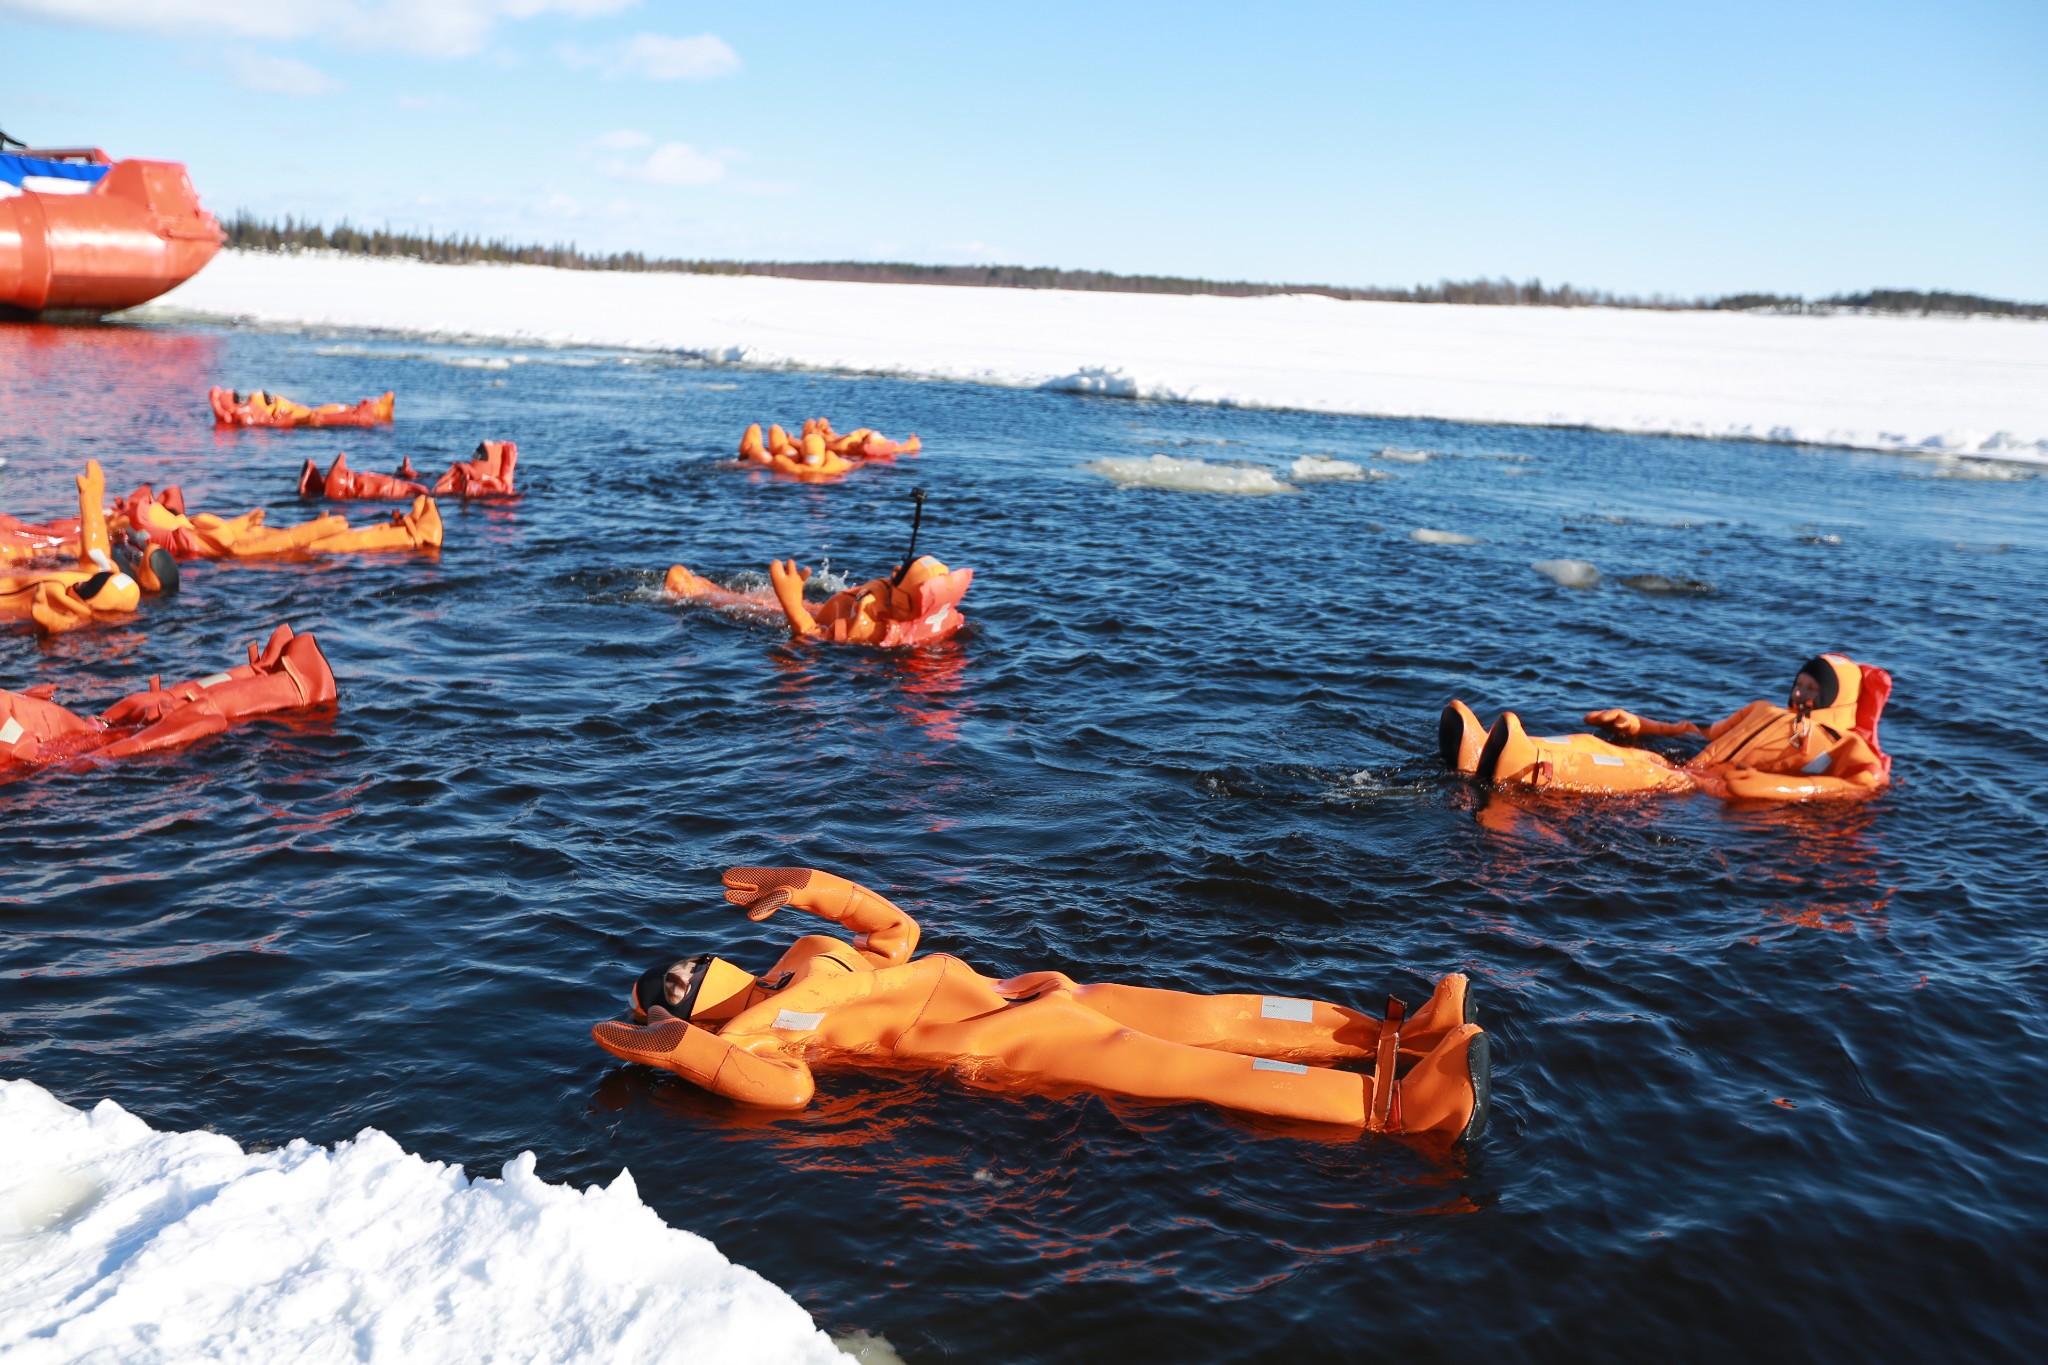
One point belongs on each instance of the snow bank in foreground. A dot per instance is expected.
(118, 1242)
(1974, 386)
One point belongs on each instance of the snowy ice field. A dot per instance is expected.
(1955, 386)
(121, 1243)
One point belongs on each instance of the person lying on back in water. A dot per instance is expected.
(1822, 744)
(756, 1040)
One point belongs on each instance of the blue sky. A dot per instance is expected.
(1685, 149)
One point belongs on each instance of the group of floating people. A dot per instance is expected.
(758, 1039)
(817, 453)
(121, 551)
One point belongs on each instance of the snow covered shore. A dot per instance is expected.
(1934, 385)
(118, 1242)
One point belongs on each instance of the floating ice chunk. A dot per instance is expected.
(1429, 537)
(123, 1243)
(1568, 573)
(1103, 381)
(1395, 455)
(1190, 476)
(1324, 468)
(1956, 467)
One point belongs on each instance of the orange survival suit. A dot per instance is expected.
(342, 484)
(1822, 746)
(260, 409)
(922, 609)
(63, 599)
(287, 674)
(161, 518)
(756, 1039)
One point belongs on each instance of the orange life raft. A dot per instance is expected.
(81, 232)
(259, 409)
(923, 609)
(1823, 746)
(756, 1040)
(161, 518)
(287, 674)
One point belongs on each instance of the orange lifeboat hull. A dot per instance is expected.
(135, 234)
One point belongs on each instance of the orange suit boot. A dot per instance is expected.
(58, 600)
(756, 1040)
(1821, 745)
(287, 674)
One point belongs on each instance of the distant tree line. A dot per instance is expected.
(249, 233)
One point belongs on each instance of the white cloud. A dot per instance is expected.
(678, 59)
(431, 27)
(279, 76)
(672, 163)
(656, 57)
(678, 163)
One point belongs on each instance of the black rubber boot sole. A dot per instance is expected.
(1479, 1064)
(1450, 736)
(165, 568)
(1489, 757)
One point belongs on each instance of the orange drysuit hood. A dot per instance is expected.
(717, 991)
(1841, 686)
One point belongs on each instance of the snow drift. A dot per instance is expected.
(1959, 386)
(118, 1242)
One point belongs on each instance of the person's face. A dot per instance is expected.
(675, 984)
(1805, 692)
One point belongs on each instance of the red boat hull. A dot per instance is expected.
(139, 232)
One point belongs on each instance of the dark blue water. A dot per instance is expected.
(1768, 1082)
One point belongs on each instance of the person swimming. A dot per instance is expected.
(1822, 744)
(758, 1039)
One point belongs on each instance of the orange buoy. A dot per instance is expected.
(289, 673)
(1821, 745)
(259, 409)
(758, 1040)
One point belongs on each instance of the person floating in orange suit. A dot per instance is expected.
(1821, 745)
(260, 409)
(486, 474)
(162, 519)
(287, 674)
(342, 484)
(918, 605)
(819, 452)
(756, 1040)
(98, 589)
